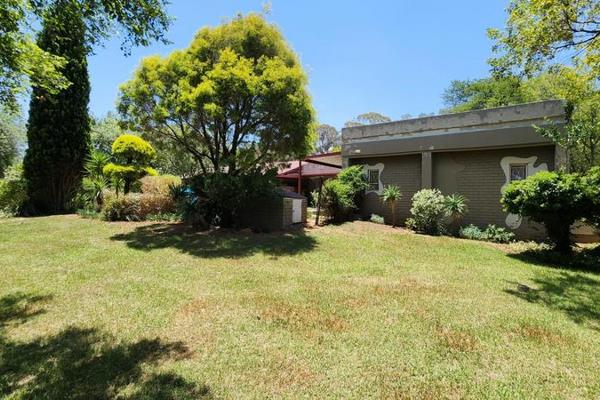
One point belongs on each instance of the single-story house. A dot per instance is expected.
(474, 153)
(305, 176)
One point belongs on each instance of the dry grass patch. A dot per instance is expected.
(456, 339)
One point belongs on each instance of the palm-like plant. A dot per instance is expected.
(391, 195)
(456, 208)
(95, 163)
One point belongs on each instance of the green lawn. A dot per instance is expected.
(90, 309)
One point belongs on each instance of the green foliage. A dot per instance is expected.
(537, 31)
(592, 187)
(122, 208)
(132, 155)
(391, 195)
(354, 177)
(328, 138)
(483, 93)
(337, 200)
(21, 59)
(456, 208)
(58, 128)
(236, 99)
(8, 145)
(378, 219)
(555, 199)
(492, 233)
(428, 212)
(219, 199)
(104, 132)
(13, 191)
(368, 118)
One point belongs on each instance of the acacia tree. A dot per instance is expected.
(235, 99)
(537, 31)
(58, 130)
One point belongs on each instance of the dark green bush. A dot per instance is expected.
(354, 177)
(219, 198)
(555, 199)
(592, 188)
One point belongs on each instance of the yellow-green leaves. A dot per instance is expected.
(237, 90)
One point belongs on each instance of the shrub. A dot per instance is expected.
(122, 208)
(555, 199)
(219, 198)
(132, 155)
(428, 212)
(378, 219)
(154, 203)
(337, 200)
(354, 177)
(492, 233)
(456, 208)
(592, 188)
(159, 184)
(391, 195)
(13, 191)
(471, 232)
(498, 234)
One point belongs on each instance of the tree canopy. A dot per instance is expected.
(328, 138)
(368, 118)
(235, 98)
(137, 22)
(539, 31)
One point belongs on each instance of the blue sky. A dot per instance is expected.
(393, 57)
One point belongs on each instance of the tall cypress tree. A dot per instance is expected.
(58, 131)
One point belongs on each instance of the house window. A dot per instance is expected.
(373, 178)
(518, 172)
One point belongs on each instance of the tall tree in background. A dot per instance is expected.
(58, 132)
(327, 138)
(482, 93)
(58, 127)
(368, 118)
(235, 100)
(538, 31)
(104, 131)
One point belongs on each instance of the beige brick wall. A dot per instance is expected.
(475, 174)
(404, 171)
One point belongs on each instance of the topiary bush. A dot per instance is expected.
(132, 156)
(555, 199)
(428, 212)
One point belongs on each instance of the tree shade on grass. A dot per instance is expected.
(139, 310)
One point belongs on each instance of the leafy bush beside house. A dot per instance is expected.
(428, 212)
(491, 233)
(555, 199)
(341, 197)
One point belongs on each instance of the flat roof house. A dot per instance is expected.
(474, 153)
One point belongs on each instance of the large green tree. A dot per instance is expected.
(367, 118)
(58, 127)
(539, 31)
(58, 132)
(234, 99)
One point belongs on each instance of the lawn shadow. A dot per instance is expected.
(586, 259)
(228, 244)
(84, 363)
(574, 294)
